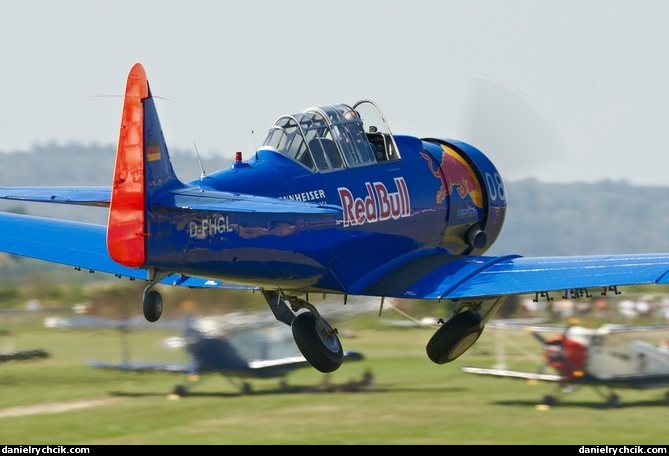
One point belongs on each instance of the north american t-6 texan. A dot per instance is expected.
(331, 203)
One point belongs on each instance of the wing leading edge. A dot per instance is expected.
(513, 374)
(636, 381)
(83, 196)
(442, 276)
(143, 367)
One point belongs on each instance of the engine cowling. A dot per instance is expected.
(475, 192)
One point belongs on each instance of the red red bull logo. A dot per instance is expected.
(455, 175)
(377, 205)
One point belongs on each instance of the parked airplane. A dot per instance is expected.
(23, 355)
(608, 358)
(331, 203)
(9, 352)
(238, 355)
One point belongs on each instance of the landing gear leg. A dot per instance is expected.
(317, 340)
(279, 307)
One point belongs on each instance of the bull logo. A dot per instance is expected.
(456, 175)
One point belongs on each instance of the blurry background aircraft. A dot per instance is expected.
(230, 344)
(608, 358)
(9, 323)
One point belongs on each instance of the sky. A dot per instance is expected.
(569, 91)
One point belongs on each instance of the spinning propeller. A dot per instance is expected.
(511, 129)
(561, 353)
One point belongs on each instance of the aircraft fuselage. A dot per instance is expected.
(433, 198)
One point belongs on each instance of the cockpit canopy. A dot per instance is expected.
(334, 137)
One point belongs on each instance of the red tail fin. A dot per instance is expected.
(126, 226)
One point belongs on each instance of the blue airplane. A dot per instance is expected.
(331, 203)
(237, 354)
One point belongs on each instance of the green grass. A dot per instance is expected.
(414, 401)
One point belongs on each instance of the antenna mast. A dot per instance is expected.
(199, 160)
(255, 146)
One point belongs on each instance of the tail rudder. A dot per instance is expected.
(141, 171)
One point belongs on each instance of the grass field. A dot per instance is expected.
(413, 402)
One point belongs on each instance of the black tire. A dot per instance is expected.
(549, 400)
(614, 401)
(153, 306)
(180, 391)
(318, 344)
(454, 337)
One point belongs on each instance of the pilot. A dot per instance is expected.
(378, 144)
(380, 152)
(351, 115)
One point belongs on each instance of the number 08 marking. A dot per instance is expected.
(495, 187)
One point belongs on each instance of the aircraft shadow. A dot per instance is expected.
(588, 404)
(307, 389)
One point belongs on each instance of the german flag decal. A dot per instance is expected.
(153, 151)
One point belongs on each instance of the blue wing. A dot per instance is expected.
(442, 276)
(144, 367)
(263, 368)
(82, 195)
(434, 276)
(80, 245)
(60, 241)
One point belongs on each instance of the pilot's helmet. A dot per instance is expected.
(351, 115)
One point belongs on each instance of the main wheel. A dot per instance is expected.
(454, 337)
(549, 400)
(153, 305)
(614, 401)
(317, 342)
(180, 390)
